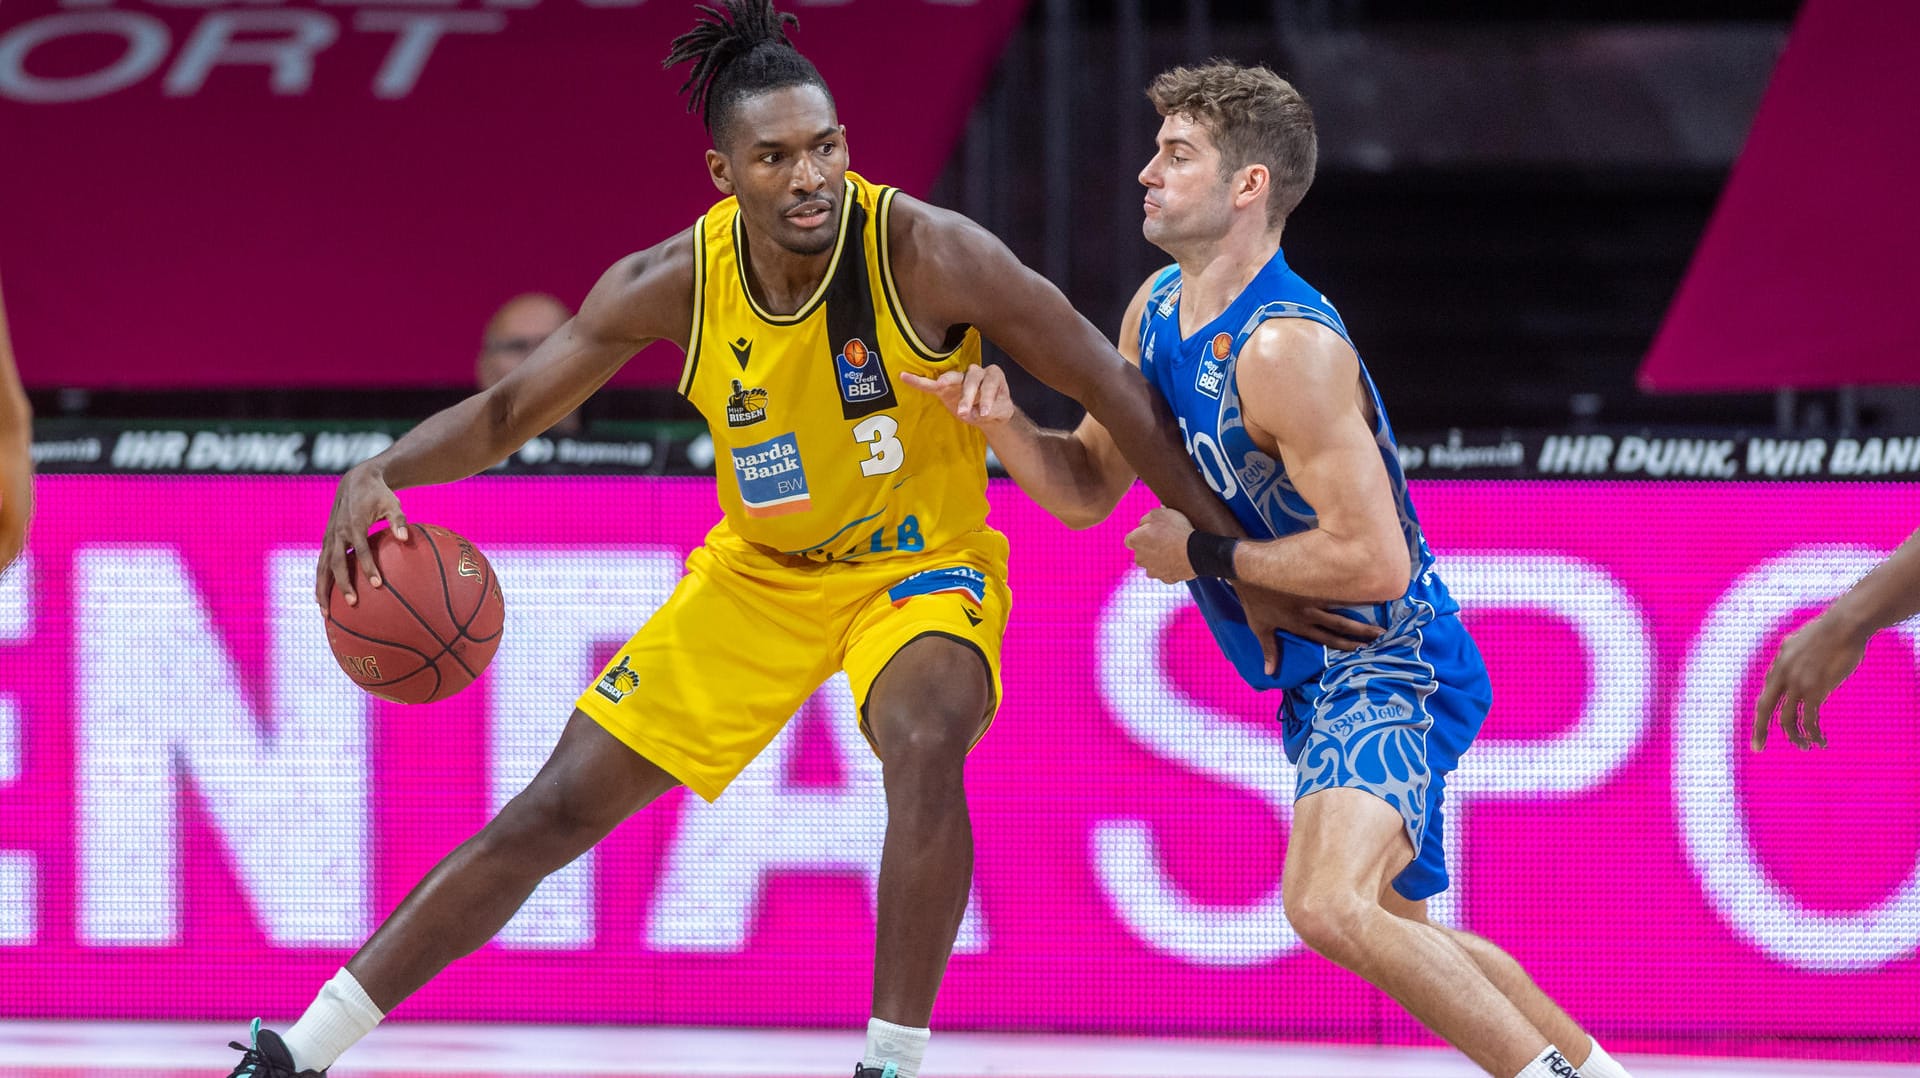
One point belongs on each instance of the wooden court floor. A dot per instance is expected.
(49, 1049)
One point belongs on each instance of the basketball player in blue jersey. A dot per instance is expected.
(1282, 419)
(852, 536)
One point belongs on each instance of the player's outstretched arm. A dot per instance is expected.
(951, 271)
(1813, 661)
(642, 298)
(16, 453)
(1077, 475)
(1300, 383)
(1058, 469)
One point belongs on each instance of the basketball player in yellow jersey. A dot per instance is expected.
(853, 534)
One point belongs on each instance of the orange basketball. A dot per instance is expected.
(432, 626)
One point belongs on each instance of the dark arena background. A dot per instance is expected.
(1637, 281)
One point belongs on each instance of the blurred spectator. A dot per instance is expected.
(512, 334)
(16, 459)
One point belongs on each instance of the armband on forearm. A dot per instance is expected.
(1211, 555)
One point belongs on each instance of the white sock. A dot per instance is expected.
(340, 1015)
(1601, 1065)
(902, 1046)
(1550, 1064)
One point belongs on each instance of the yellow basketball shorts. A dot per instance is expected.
(747, 636)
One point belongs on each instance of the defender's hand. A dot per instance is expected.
(1309, 619)
(362, 498)
(1811, 663)
(1159, 545)
(977, 395)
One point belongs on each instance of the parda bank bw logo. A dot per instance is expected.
(618, 683)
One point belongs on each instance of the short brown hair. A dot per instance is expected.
(1254, 115)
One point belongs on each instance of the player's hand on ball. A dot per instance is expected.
(362, 498)
(977, 395)
(1159, 545)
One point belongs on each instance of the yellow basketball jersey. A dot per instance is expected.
(819, 450)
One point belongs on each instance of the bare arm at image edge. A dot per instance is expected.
(1813, 661)
(16, 444)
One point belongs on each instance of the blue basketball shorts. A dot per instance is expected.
(1392, 719)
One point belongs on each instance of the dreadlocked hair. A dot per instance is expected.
(739, 49)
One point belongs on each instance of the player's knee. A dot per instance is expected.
(1485, 953)
(932, 738)
(1331, 920)
(549, 820)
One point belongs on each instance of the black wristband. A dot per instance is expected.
(1210, 554)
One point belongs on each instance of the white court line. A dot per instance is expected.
(433, 1048)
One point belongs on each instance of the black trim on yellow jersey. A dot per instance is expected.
(847, 200)
(884, 229)
(850, 316)
(699, 303)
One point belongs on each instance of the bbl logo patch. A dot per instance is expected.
(746, 406)
(618, 683)
(863, 378)
(1211, 378)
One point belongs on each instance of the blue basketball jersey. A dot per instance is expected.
(1197, 377)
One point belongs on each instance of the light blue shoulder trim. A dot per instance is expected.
(1289, 309)
(1166, 288)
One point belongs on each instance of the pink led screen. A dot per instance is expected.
(200, 817)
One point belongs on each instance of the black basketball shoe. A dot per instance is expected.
(269, 1058)
(887, 1071)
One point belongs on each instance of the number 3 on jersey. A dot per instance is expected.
(884, 451)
